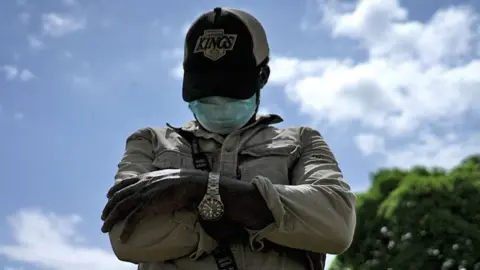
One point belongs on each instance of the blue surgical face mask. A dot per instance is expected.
(223, 115)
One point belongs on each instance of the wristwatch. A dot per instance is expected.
(211, 206)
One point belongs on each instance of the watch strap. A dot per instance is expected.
(213, 185)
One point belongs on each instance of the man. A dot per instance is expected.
(228, 190)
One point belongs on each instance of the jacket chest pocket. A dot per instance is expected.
(270, 161)
(169, 159)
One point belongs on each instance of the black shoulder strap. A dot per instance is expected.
(223, 254)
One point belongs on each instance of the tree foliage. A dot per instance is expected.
(418, 219)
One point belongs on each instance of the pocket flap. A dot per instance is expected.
(169, 159)
(274, 149)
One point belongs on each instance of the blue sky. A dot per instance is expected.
(388, 83)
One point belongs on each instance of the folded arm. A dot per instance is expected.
(315, 213)
(162, 237)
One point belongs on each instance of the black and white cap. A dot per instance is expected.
(224, 52)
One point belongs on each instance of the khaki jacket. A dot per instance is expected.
(294, 170)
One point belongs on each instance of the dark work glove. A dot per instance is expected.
(155, 193)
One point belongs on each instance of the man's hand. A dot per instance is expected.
(151, 194)
(244, 208)
(244, 204)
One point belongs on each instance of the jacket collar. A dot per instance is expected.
(193, 126)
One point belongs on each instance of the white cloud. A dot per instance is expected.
(49, 241)
(57, 25)
(445, 150)
(370, 143)
(26, 75)
(11, 72)
(384, 28)
(177, 71)
(264, 110)
(417, 75)
(289, 69)
(34, 42)
(270, 109)
(387, 94)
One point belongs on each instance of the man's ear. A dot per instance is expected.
(263, 76)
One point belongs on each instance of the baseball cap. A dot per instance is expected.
(224, 50)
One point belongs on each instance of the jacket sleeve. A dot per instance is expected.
(160, 238)
(317, 211)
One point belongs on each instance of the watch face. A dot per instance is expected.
(211, 209)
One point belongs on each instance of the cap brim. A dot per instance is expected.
(238, 85)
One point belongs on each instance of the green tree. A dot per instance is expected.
(418, 219)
